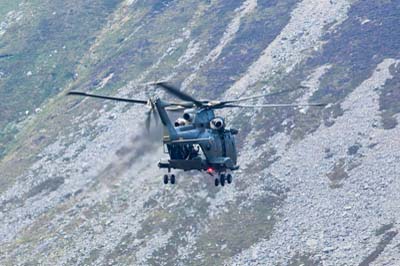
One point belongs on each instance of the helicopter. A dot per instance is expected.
(198, 140)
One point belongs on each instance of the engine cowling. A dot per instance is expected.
(188, 116)
(217, 123)
(180, 122)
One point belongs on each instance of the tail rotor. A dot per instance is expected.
(151, 114)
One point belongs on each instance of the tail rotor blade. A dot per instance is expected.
(156, 118)
(151, 113)
(148, 120)
(154, 111)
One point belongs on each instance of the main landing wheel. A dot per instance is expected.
(222, 179)
(216, 182)
(172, 179)
(165, 179)
(229, 178)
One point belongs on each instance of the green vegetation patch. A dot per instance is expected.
(44, 49)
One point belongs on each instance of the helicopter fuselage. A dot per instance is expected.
(203, 143)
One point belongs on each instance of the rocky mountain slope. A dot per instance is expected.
(78, 178)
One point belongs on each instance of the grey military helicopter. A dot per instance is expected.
(199, 140)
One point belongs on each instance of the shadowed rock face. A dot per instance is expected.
(78, 178)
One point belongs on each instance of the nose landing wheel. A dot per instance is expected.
(169, 179)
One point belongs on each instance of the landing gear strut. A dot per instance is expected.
(169, 178)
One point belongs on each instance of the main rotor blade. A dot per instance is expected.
(181, 95)
(273, 105)
(106, 97)
(175, 108)
(256, 96)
